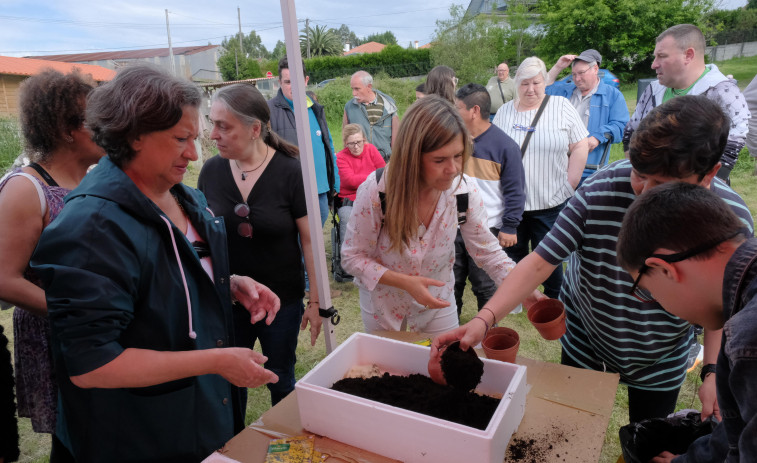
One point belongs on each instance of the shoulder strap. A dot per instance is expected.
(43, 173)
(533, 126)
(382, 194)
(38, 187)
(502, 94)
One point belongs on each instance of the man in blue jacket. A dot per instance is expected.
(602, 108)
(283, 123)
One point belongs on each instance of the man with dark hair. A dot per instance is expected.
(497, 168)
(602, 108)
(608, 329)
(283, 123)
(703, 271)
(680, 67)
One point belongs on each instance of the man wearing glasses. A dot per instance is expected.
(703, 271)
(501, 89)
(608, 328)
(602, 108)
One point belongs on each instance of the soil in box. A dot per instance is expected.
(420, 394)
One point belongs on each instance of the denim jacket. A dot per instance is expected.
(608, 114)
(735, 438)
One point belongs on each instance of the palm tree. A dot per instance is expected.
(323, 42)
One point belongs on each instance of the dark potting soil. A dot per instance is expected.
(462, 369)
(420, 394)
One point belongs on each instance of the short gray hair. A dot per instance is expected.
(364, 77)
(685, 36)
(141, 99)
(530, 67)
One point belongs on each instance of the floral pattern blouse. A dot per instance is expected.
(431, 253)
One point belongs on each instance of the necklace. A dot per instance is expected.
(245, 172)
(178, 203)
(433, 208)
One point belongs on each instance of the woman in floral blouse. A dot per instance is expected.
(402, 259)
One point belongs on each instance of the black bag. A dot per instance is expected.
(646, 439)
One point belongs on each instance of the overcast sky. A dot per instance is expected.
(44, 27)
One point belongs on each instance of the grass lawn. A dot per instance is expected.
(36, 447)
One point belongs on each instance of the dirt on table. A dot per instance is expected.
(420, 394)
(538, 449)
(462, 368)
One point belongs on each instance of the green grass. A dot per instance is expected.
(35, 447)
(11, 143)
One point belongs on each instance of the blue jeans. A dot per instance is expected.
(323, 204)
(532, 229)
(278, 342)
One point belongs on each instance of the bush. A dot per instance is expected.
(393, 60)
(11, 143)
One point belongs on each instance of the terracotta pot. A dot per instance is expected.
(501, 344)
(548, 316)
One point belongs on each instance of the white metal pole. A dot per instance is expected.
(170, 48)
(302, 122)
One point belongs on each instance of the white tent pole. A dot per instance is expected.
(292, 39)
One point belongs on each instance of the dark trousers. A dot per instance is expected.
(642, 404)
(465, 268)
(532, 229)
(278, 342)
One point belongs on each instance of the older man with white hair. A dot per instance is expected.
(602, 107)
(375, 111)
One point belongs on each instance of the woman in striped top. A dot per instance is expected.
(553, 160)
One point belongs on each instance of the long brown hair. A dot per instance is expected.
(248, 105)
(429, 124)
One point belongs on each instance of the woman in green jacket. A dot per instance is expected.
(138, 289)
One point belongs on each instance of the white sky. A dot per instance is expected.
(44, 27)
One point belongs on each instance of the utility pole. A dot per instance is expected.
(170, 48)
(239, 19)
(307, 35)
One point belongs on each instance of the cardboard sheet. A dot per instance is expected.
(566, 408)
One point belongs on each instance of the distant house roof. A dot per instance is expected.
(370, 47)
(428, 45)
(127, 54)
(30, 67)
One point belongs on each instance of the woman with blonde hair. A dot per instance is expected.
(442, 81)
(554, 149)
(400, 242)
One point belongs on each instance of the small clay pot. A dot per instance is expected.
(548, 316)
(435, 368)
(501, 345)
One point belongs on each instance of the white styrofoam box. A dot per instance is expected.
(401, 434)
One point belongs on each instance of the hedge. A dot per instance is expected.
(393, 60)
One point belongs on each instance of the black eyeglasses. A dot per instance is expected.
(645, 296)
(245, 228)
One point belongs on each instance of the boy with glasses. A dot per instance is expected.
(704, 271)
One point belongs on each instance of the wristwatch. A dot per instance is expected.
(706, 370)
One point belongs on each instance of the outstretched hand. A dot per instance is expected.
(312, 316)
(257, 298)
(417, 286)
(242, 367)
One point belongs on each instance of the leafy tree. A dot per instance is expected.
(518, 39)
(387, 38)
(279, 51)
(235, 67)
(623, 31)
(347, 36)
(323, 42)
(471, 46)
(751, 5)
(252, 45)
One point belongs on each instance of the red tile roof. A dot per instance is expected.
(370, 47)
(127, 54)
(30, 67)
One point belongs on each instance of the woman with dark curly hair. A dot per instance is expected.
(61, 150)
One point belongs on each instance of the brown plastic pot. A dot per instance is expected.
(548, 317)
(501, 344)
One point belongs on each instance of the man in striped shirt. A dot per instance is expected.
(608, 329)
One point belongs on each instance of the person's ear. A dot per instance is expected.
(689, 55)
(255, 130)
(707, 179)
(666, 269)
(137, 143)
